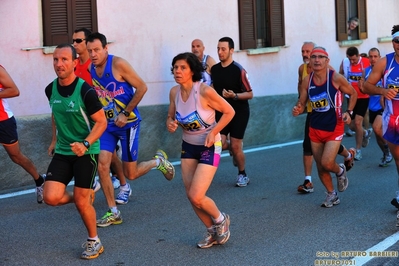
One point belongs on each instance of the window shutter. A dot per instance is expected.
(247, 22)
(341, 20)
(62, 17)
(277, 34)
(362, 12)
(55, 21)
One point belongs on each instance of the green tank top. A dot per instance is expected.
(71, 119)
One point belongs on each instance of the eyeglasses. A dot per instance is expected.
(78, 40)
(396, 40)
(318, 56)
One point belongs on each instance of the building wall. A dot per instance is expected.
(149, 34)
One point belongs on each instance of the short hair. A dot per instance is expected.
(351, 51)
(395, 29)
(375, 49)
(229, 40)
(97, 36)
(86, 31)
(193, 62)
(70, 46)
(308, 42)
(354, 19)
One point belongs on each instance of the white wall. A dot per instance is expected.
(150, 33)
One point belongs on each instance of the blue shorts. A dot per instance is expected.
(63, 168)
(129, 139)
(204, 155)
(8, 131)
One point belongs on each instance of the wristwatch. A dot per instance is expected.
(125, 113)
(350, 112)
(235, 97)
(86, 144)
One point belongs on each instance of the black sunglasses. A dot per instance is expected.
(396, 40)
(78, 40)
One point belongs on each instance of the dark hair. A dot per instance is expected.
(375, 49)
(192, 60)
(229, 40)
(97, 36)
(86, 31)
(351, 51)
(67, 45)
(395, 29)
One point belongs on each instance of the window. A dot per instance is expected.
(344, 11)
(261, 23)
(62, 17)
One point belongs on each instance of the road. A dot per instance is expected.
(271, 224)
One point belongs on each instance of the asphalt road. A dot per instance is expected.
(271, 224)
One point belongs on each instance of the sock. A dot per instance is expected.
(125, 186)
(114, 210)
(158, 161)
(308, 177)
(333, 192)
(211, 229)
(219, 219)
(341, 171)
(348, 157)
(39, 181)
(242, 173)
(93, 238)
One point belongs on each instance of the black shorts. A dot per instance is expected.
(361, 107)
(63, 168)
(373, 115)
(8, 131)
(237, 126)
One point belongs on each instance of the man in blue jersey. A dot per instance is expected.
(120, 89)
(376, 109)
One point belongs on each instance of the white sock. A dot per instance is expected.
(348, 157)
(125, 186)
(340, 171)
(114, 210)
(93, 238)
(219, 219)
(308, 177)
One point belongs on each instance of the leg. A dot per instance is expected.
(359, 131)
(238, 153)
(55, 194)
(116, 165)
(19, 158)
(104, 162)
(85, 209)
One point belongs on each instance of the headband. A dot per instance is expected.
(396, 34)
(317, 50)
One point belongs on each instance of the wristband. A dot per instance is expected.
(125, 113)
(349, 112)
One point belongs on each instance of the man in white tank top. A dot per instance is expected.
(198, 48)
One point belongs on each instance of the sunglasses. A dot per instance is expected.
(318, 56)
(78, 40)
(395, 40)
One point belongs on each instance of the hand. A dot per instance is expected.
(78, 148)
(346, 118)
(120, 120)
(210, 140)
(51, 149)
(389, 93)
(298, 109)
(228, 93)
(172, 125)
(360, 84)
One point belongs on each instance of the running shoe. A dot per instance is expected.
(208, 242)
(39, 191)
(366, 137)
(242, 180)
(394, 201)
(306, 187)
(342, 180)
(358, 155)
(96, 185)
(109, 218)
(397, 218)
(165, 166)
(93, 249)
(384, 161)
(115, 182)
(349, 163)
(350, 133)
(123, 195)
(331, 199)
(388, 157)
(222, 230)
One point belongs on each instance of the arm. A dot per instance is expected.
(246, 89)
(123, 71)
(9, 88)
(341, 68)
(303, 97)
(300, 71)
(171, 122)
(342, 84)
(217, 103)
(51, 148)
(99, 127)
(376, 74)
(210, 62)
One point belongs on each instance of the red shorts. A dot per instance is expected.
(321, 136)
